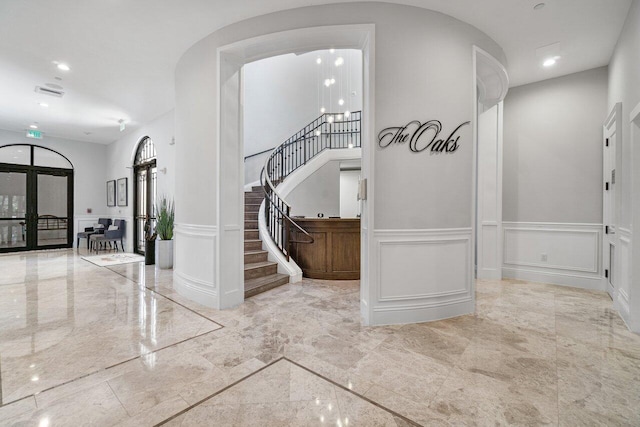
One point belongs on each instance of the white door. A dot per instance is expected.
(609, 214)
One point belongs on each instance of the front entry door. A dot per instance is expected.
(36, 208)
(145, 198)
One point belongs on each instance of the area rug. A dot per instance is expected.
(113, 259)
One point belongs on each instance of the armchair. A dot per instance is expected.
(113, 234)
(88, 231)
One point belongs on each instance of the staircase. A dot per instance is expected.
(260, 274)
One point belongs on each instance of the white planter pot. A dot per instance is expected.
(165, 253)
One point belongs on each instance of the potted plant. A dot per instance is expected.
(165, 214)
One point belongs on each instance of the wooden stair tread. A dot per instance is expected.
(252, 240)
(261, 264)
(255, 252)
(261, 284)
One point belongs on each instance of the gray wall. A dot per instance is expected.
(624, 86)
(552, 149)
(319, 193)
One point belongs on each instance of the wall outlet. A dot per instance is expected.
(543, 257)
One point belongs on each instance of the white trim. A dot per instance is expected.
(358, 36)
(196, 230)
(577, 281)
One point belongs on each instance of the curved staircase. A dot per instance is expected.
(260, 274)
(327, 132)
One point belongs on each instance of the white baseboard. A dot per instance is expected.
(584, 282)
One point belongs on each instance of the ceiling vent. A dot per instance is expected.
(51, 92)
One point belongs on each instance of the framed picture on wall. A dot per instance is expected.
(111, 192)
(122, 192)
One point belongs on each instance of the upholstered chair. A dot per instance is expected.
(115, 234)
(88, 231)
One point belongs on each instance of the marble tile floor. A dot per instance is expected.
(533, 354)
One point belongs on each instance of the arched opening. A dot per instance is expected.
(144, 192)
(36, 198)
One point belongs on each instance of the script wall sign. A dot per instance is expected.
(420, 137)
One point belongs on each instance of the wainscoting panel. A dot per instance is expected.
(489, 266)
(622, 280)
(231, 267)
(559, 253)
(422, 275)
(195, 252)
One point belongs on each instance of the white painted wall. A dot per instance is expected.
(319, 193)
(349, 204)
(283, 94)
(420, 69)
(552, 182)
(624, 87)
(119, 157)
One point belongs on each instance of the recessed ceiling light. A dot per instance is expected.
(341, 101)
(319, 61)
(339, 61)
(332, 50)
(33, 126)
(63, 67)
(538, 6)
(44, 104)
(549, 62)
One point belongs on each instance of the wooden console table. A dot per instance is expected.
(335, 253)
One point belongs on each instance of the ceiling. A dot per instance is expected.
(122, 53)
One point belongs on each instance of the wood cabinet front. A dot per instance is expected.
(335, 252)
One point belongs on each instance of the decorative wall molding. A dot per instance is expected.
(572, 250)
(195, 248)
(196, 230)
(623, 278)
(421, 275)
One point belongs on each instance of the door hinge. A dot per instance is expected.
(607, 142)
(606, 229)
(606, 273)
(606, 186)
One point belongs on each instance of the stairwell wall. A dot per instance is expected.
(417, 219)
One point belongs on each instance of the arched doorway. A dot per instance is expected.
(36, 198)
(144, 196)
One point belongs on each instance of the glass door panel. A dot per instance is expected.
(53, 220)
(13, 209)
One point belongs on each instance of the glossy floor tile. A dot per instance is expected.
(284, 394)
(62, 318)
(533, 354)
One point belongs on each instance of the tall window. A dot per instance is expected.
(145, 173)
